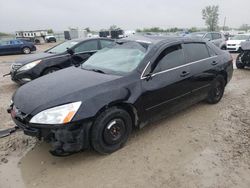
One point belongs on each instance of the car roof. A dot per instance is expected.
(150, 39)
(86, 39)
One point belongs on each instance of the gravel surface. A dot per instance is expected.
(202, 146)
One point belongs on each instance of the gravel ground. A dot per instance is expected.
(202, 146)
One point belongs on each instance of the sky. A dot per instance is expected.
(127, 14)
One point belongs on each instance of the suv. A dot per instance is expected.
(217, 38)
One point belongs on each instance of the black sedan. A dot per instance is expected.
(126, 86)
(64, 55)
(16, 46)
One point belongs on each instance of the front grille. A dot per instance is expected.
(15, 66)
(231, 44)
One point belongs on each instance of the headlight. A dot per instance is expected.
(57, 115)
(29, 65)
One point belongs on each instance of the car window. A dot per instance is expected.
(208, 36)
(87, 46)
(16, 42)
(170, 58)
(216, 36)
(211, 52)
(106, 43)
(195, 51)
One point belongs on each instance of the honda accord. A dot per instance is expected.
(125, 86)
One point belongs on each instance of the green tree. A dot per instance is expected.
(88, 29)
(50, 31)
(211, 16)
(245, 27)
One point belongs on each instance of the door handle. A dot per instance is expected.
(185, 73)
(214, 63)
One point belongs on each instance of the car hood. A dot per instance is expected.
(33, 57)
(235, 41)
(65, 86)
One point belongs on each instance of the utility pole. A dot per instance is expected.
(224, 25)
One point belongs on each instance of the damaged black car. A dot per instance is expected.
(69, 53)
(123, 87)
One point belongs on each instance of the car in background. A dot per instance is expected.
(243, 59)
(217, 38)
(16, 46)
(128, 85)
(50, 38)
(69, 53)
(234, 44)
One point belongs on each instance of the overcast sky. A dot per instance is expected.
(128, 14)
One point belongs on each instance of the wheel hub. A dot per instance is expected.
(114, 131)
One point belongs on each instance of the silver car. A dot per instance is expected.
(217, 38)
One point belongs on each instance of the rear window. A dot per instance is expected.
(195, 51)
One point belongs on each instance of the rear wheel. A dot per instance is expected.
(26, 50)
(217, 91)
(111, 130)
(50, 70)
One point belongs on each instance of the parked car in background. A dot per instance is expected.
(125, 86)
(66, 54)
(243, 59)
(50, 38)
(16, 46)
(217, 38)
(234, 44)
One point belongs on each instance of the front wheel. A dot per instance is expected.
(50, 70)
(26, 50)
(111, 130)
(217, 90)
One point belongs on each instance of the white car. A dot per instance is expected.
(234, 44)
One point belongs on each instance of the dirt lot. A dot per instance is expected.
(202, 146)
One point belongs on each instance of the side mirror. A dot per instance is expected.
(70, 51)
(148, 77)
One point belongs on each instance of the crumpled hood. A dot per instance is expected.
(33, 57)
(65, 86)
(235, 41)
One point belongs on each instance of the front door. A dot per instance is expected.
(169, 85)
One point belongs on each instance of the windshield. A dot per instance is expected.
(120, 59)
(62, 47)
(240, 37)
(200, 35)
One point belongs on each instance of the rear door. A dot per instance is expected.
(169, 86)
(201, 61)
(6, 48)
(84, 50)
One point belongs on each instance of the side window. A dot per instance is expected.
(216, 36)
(87, 46)
(195, 51)
(208, 36)
(170, 58)
(106, 43)
(211, 52)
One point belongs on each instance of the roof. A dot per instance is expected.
(150, 39)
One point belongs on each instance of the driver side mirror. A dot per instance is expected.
(70, 51)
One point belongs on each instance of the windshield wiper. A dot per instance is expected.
(97, 70)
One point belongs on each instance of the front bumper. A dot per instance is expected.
(68, 138)
(234, 48)
(21, 77)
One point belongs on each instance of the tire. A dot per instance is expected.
(217, 90)
(111, 130)
(50, 70)
(239, 63)
(223, 48)
(26, 50)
